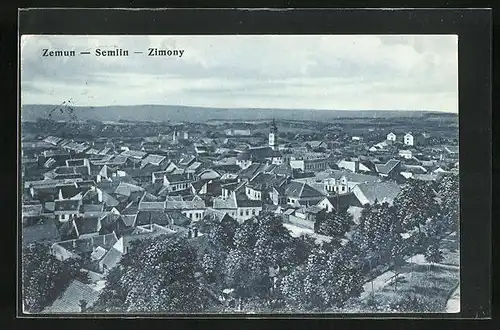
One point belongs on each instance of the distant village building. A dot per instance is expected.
(238, 132)
(408, 139)
(309, 162)
(391, 137)
(406, 154)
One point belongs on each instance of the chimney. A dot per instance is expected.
(83, 306)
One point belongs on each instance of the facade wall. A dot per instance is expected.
(194, 215)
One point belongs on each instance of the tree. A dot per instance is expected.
(416, 204)
(44, 277)
(156, 275)
(324, 280)
(433, 254)
(336, 224)
(449, 194)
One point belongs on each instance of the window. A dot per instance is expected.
(173, 188)
(253, 212)
(246, 212)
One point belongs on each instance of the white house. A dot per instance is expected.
(406, 154)
(391, 137)
(408, 139)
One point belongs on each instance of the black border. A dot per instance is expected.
(474, 30)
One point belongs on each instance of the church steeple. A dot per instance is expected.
(273, 136)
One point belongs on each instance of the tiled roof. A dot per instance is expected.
(92, 208)
(134, 154)
(153, 159)
(248, 203)
(87, 225)
(88, 244)
(221, 203)
(380, 191)
(31, 210)
(344, 200)
(111, 258)
(67, 205)
(147, 217)
(387, 167)
(44, 232)
(69, 301)
(196, 203)
(173, 178)
(301, 190)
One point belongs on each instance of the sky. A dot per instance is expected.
(324, 72)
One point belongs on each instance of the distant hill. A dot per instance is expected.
(32, 112)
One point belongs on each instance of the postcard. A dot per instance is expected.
(247, 174)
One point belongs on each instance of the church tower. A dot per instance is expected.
(273, 136)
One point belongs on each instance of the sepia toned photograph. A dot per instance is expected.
(239, 174)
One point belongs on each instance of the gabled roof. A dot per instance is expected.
(387, 167)
(134, 154)
(67, 205)
(344, 200)
(301, 190)
(41, 232)
(69, 301)
(31, 210)
(87, 225)
(150, 217)
(173, 178)
(111, 258)
(378, 191)
(153, 159)
(248, 203)
(88, 244)
(225, 203)
(266, 180)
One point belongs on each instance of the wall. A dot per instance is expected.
(301, 222)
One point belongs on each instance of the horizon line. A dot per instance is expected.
(233, 108)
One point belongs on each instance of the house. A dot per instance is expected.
(309, 162)
(238, 209)
(53, 140)
(66, 209)
(258, 188)
(43, 232)
(306, 217)
(86, 226)
(391, 137)
(298, 193)
(354, 166)
(337, 181)
(193, 208)
(376, 192)
(408, 139)
(263, 154)
(314, 145)
(209, 174)
(31, 213)
(70, 301)
(177, 182)
(391, 169)
(134, 154)
(238, 132)
(76, 248)
(338, 202)
(406, 154)
(149, 202)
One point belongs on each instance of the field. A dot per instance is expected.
(420, 286)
